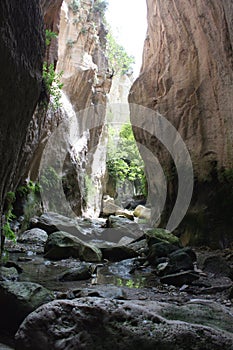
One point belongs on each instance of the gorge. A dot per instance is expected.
(87, 273)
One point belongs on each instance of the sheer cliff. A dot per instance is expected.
(187, 76)
(21, 75)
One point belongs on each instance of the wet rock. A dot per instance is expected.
(159, 234)
(159, 250)
(190, 252)
(33, 236)
(180, 278)
(217, 265)
(140, 246)
(13, 264)
(82, 272)
(62, 245)
(142, 212)
(118, 253)
(104, 291)
(96, 323)
(8, 273)
(180, 261)
(18, 299)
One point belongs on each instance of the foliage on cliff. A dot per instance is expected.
(119, 60)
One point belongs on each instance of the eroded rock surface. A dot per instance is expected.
(187, 77)
(21, 65)
(95, 323)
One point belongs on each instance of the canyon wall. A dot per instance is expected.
(87, 81)
(187, 77)
(20, 85)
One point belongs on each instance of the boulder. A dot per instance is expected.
(142, 212)
(62, 245)
(125, 213)
(33, 236)
(119, 227)
(157, 235)
(160, 250)
(79, 273)
(53, 222)
(109, 206)
(179, 261)
(102, 323)
(118, 253)
(8, 273)
(18, 299)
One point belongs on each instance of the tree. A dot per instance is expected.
(119, 61)
(124, 161)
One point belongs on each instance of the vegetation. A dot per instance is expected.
(49, 35)
(53, 85)
(100, 6)
(29, 194)
(124, 161)
(74, 6)
(119, 61)
(49, 180)
(30, 187)
(9, 216)
(70, 43)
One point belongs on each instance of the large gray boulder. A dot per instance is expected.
(97, 323)
(33, 236)
(62, 245)
(52, 222)
(18, 299)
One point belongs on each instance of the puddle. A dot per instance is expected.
(47, 273)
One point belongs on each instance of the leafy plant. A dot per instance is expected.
(50, 182)
(70, 43)
(100, 6)
(9, 216)
(53, 84)
(29, 195)
(74, 6)
(49, 35)
(83, 30)
(124, 160)
(119, 61)
(49, 179)
(30, 187)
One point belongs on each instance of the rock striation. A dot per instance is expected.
(187, 76)
(21, 66)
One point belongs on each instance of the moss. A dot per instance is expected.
(163, 235)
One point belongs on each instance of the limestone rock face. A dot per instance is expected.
(81, 54)
(21, 66)
(187, 76)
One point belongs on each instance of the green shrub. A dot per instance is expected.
(49, 35)
(9, 216)
(119, 61)
(100, 6)
(124, 161)
(53, 84)
(74, 6)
